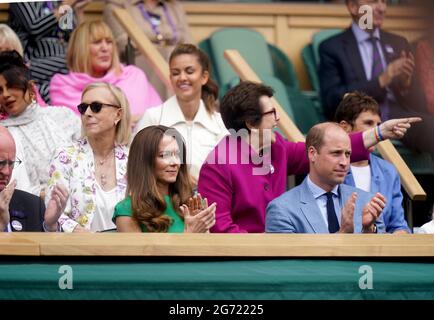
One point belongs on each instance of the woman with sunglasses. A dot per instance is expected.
(249, 168)
(93, 57)
(159, 188)
(39, 130)
(87, 179)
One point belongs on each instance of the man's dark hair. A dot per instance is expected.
(353, 104)
(241, 104)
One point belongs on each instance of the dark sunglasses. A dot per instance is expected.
(94, 106)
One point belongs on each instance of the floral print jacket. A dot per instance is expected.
(73, 166)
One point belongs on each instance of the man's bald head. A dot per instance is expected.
(7, 142)
(316, 134)
(329, 149)
(7, 152)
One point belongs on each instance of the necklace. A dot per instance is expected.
(103, 176)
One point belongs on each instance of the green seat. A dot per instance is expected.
(251, 45)
(318, 38)
(283, 68)
(205, 47)
(419, 162)
(311, 66)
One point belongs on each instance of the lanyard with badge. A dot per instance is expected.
(155, 23)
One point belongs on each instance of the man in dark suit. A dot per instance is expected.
(378, 63)
(19, 210)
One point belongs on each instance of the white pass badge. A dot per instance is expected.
(16, 225)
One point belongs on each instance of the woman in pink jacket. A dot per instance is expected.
(93, 57)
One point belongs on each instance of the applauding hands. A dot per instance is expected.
(198, 216)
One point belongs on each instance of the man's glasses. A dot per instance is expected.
(11, 163)
(94, 106)
(273, 111)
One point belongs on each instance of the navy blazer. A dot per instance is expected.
(296, 211)
(26, 212)
(385, 179)
(341, 69)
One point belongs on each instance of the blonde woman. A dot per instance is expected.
(87, 179)
(93, 57)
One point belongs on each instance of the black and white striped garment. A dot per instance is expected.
(43, 41)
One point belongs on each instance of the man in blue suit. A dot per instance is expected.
(358, 112)
(322, 204)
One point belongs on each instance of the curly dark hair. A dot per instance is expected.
(241, 104)
(353, 104)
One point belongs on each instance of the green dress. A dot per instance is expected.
(123, 209)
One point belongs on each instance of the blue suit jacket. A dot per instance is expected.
(385, 179)
(296, 211)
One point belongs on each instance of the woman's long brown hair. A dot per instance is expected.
(147, 202)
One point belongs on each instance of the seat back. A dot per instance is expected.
(204, 45)
(318, 38)
(251, 45)
(283, 68)
(311, 66)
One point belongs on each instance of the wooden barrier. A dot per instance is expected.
(218, 245)
(386, 149)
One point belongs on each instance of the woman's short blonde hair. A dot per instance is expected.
(78, 55)
(8, 36)
(123, 127)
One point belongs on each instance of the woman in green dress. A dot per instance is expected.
(159, 192)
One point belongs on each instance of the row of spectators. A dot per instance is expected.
(92, 181)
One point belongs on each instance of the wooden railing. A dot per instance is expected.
(216, 245)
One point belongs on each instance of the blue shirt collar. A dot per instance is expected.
(317, 191)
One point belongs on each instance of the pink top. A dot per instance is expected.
(242, 196)
(66, 89)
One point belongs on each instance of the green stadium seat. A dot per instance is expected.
(318, 38)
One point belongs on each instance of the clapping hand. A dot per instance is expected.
(347, 215)
(372, 210)
(56, 206)
(5, 199)
(198, 216)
